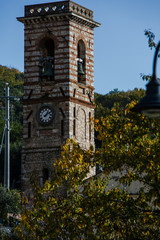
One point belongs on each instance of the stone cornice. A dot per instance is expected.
(68, 16)
(66, 10)
(57, 99)
(58, 82)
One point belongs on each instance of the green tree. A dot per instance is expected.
(11, 75)
(70, 207)
(10, 202)
(107, 101)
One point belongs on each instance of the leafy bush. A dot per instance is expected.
(10, 202)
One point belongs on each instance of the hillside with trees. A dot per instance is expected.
(108, 100)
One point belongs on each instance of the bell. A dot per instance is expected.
(80, 68)
(47, 70)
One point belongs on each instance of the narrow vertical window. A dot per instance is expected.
(29, 129)
(81, 62)
(62, 127)
(74, 93)
(74, 121)
(74, 127)
(90, 130)
(74, 112)
(45, 175)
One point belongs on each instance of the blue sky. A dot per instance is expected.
(121, 51)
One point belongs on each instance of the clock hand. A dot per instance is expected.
(46, 114)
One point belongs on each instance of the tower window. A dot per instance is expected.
(90, 127)
(89, 43)
(29, 129)
(74, 121)
(74, 93)
(46, 62)
(81, 62)
(45, 175)
(74, 112)
(74, 127)
(62, 127)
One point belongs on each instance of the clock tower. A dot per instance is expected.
(58, 86)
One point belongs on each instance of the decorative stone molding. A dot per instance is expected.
(58, 10)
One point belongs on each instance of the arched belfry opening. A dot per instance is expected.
(46, 61)
(81, 68)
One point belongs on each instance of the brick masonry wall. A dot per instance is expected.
(42, 143)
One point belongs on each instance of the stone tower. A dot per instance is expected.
(58, 87)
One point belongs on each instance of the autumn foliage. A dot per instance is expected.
(69, 207)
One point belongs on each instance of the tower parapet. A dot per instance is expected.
(67, 9)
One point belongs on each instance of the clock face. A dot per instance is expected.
(46, 114)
